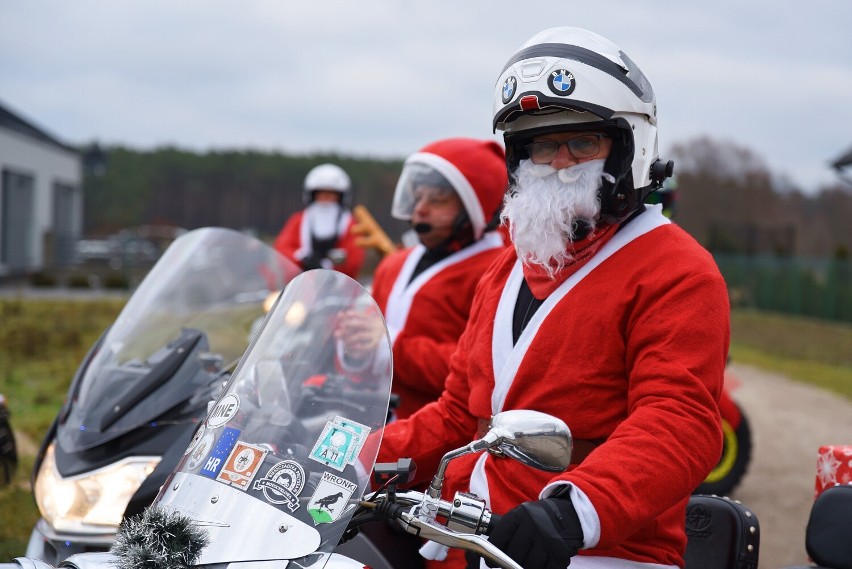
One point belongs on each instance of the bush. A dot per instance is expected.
(79, 280)
(116, 281)
(43, 279)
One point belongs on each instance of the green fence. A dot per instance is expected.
(819, 288)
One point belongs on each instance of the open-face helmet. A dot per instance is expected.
(474, 169)
(565, 79)
(329, 177)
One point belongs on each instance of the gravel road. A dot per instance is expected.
(789, 422)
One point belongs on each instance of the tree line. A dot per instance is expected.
(728, 199)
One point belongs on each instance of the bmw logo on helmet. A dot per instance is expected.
(509, 87)
(561, 82)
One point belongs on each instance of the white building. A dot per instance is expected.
(41, 199)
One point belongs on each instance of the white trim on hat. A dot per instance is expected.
(461, 184)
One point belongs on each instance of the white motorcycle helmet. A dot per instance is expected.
(569, 78)
(328, 177)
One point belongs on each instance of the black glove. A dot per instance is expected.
(311, 262)
(544, 534)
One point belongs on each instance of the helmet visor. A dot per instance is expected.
(418, 181)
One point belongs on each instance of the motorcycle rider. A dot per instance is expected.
(320, 236)
(450, 191)
(603, 314)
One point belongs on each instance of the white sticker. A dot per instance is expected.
(224, 411)
(330, 498)
(195, 438)
(201, 450)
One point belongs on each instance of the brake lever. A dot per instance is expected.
(434, 531)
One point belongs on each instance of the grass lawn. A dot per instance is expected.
(41, 344)
(807, 350)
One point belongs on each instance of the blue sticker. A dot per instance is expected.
(216, 459)
(561, 82)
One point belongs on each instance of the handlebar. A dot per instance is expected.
(495, 519)
(467, 521)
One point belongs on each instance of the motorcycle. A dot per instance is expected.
(144, 387)
(277, 474)
(736, 446)
(8, 450)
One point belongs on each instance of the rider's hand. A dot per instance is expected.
(311, 262)
(543, 534)
(359, 333)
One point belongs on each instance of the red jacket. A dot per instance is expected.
(634, 353)
(427, 315)
(293, 241)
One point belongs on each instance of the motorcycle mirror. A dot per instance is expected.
(532, 438)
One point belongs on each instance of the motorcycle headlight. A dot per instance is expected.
(93, 502)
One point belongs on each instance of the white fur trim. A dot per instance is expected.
(589, 519)
(460, 183)
(305, 247)
(434, 551)
(402, 294)
(479, 481)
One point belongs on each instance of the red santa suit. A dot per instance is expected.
(630, 348)
(294, 241)
(426, 315)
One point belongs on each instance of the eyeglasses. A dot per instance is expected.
(434, 196)
(583, 146)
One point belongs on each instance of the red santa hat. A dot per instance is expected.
(477, 171)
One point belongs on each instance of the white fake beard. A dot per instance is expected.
(544, 205)
(323, 218)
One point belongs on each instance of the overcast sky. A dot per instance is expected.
(383, 78)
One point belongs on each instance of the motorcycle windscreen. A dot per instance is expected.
(164, 357)
(278, 467)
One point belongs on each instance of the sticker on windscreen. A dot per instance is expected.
(195, 439)
(242, 465)
(339, 444)
(330, 498)
(282, 484)
(224, 411)
(216, 459)
(200, 450)
(361, 430)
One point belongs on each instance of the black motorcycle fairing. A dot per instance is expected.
(160, 374)
(151, 441)
(50, 436)
(178, 438)
(169, 378)
(78, 376)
